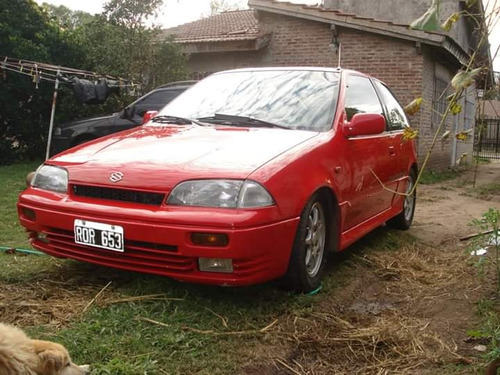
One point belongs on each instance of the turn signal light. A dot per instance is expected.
(28, 213)
(210, 239)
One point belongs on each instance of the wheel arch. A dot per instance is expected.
(332, 210)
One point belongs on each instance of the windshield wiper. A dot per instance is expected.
(235, 120)
(174, 120)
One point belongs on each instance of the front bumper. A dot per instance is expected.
(157, 243)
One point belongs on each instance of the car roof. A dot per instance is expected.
(295, 68)
(278, 68)
(177, 84)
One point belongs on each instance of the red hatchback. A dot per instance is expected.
(248, 176)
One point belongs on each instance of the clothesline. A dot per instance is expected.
(21, 63)
(91, 91)
(48, 72)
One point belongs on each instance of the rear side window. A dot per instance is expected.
(155, 101)
(361, 97)
(395, 114)
(159, 99)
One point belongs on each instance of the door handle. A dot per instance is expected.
(392, 151)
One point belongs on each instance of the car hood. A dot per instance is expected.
(158, 157)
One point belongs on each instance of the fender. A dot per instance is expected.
(292, 190)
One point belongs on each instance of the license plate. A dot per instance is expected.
(100, 235)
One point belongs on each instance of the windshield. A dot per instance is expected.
(295, 99)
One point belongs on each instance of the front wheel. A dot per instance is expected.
(308, 258)
(404, 219)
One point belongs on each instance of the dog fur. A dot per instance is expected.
(20, 355)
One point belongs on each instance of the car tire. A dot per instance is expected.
(309, 252)
(404, 219)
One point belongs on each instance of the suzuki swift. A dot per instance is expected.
(248, 176)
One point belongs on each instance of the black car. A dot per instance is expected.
(76, 132)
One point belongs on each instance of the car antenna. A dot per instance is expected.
(340, 53)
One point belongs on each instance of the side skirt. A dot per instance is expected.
(355, 233)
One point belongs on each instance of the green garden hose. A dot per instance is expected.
(23, 251)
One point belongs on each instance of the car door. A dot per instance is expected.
(372, 159)
(397, 122)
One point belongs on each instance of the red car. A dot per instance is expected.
(249, 175)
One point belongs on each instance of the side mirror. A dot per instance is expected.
(364, 124)
(148, 116)
(127, 113)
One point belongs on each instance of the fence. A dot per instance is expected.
(487, 139)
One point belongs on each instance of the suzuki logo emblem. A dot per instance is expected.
(116, 176)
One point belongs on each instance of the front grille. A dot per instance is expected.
(123, 195)
(138, 256)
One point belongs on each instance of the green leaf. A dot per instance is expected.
(429, 21)
(461, 159)
(464, 79)
(409, 134)
(476, 334)
(445, 136)
(470, 3)
(450, 21)
(413, 107)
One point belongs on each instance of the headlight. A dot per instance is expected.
(220, 193)
(52, 178)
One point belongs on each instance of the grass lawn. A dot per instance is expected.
(430, 177)
(374, 301)
(182, 329)
(13, 183)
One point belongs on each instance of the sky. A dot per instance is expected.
(177, 12)
(173, 13)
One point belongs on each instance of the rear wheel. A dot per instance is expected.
(308, 258)
(404, 219)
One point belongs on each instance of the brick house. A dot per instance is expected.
(413, 63)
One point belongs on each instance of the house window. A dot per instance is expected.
(439, 102)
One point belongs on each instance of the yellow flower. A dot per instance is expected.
(455, 108)
(463, 135)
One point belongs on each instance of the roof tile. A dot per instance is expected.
(226, 26)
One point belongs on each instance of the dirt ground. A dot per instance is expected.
(444, 210)
(406, 310)
(388, 306)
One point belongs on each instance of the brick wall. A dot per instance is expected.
(203, 64)
(441, 155)
(395, 62)
(398, 63)
(409, 71)
(298, 42)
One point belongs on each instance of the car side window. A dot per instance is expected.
(154, 102)
(361, 97)
(395, 114)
